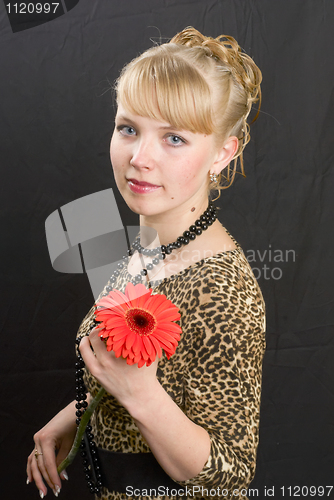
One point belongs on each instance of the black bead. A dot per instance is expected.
(163, 248)
(143, 272)
(198, 222)
(192, 228)
(178, 244)
(192, 236)
(181, 239)
(120, 265)
(78, 413)
(109, 288)
(204, 226)
(90, 436)
(186, 233)
(186, 241)
(198, 231)
(78, 406)
(89, 428)
(149, 266)
(210, 222)
(202, 218)
(168, 251)
(163, 256)
(78, 420)
(83, 454)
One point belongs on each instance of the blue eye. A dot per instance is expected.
(126, 130)
(175, 140)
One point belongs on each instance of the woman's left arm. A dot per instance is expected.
(180, 446)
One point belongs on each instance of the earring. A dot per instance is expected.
(213, 178)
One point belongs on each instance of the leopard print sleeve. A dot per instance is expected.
(224, 333)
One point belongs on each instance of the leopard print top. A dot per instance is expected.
(214, 375)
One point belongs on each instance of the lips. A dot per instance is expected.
(141, 187)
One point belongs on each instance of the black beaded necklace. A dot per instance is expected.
(88, 447)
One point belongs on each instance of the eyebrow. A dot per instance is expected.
(127, 119)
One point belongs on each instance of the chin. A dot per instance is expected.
(143, 207)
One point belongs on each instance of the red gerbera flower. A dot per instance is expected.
(138, 325)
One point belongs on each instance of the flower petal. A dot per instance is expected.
(141, 363)
(171, 314)
(169, 327)
(165, 336)
(148, 345)
(130, 339)
(156, 345)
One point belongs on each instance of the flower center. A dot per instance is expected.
(140, 321)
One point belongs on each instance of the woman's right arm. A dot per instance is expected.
(53, 443)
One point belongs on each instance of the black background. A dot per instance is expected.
(56, 116)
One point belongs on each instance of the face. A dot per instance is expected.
(157, 168)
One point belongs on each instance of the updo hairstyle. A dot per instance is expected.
(195, 83)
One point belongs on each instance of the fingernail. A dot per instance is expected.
(41, 494)
(55, 493)
(65, 476)
(57, 488)
(28, 481)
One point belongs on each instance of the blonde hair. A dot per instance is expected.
(195, 83)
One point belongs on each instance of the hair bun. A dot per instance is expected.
(226, 51)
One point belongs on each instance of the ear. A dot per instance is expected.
(226, 154)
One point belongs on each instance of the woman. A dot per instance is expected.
(181, 120)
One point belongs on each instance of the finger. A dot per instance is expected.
(50, 465)
(88, 355)
(35, 475)
(46, 464)
(96, 342)
(64, 475)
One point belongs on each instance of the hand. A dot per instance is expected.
(53, 443)
(127, 383)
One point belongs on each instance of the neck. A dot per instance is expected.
(170, 225)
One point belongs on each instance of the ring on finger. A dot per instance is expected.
(37, 453)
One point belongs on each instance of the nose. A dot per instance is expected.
(143, 156)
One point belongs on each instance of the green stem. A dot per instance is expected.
(81, 430)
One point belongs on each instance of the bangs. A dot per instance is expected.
(164, 87)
